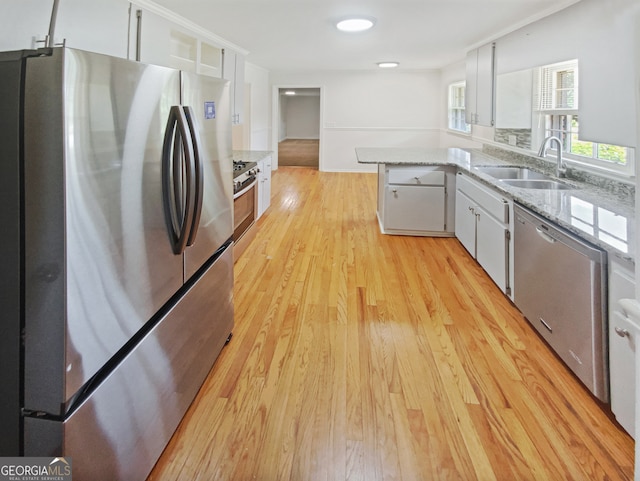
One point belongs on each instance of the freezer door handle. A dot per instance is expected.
(198, 174)
(178, 179)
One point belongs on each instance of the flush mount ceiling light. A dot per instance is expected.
(388, 64)
(290, 92)
(355, 24)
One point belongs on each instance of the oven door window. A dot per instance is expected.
(243, 212)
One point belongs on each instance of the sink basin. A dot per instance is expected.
(536, 184)
(512, 173)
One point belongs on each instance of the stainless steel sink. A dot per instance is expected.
(512, 173)
(536, 184)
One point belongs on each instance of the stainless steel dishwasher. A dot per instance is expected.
(560, 287)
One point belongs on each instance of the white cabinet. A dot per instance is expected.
(157, 40)
(99, 26)
(96, 26)
(479, 87)
(233, 70)
(23, 22)
(264, 185)
(623, 335)
(416, 200)
(406, 208)
(482, 226)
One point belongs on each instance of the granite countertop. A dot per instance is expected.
(602, 215)
(251, 155)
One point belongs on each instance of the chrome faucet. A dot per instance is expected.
(561, 170)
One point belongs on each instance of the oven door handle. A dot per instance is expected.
(245, 189)
(198, 174)
(178, 195)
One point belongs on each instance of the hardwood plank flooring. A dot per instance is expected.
(299, 153)
(360, 356)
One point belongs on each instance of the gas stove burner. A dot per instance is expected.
(240, 167)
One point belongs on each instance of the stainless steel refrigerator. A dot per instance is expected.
(117, 276)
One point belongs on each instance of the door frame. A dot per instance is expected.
(275, 121)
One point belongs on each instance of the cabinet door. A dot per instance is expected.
(264, 185)
(97, 26)
(23, 22)
(414, 208)
(150, 37)
(470, 93)
(492, 247)
(233, 70)
(484, 86)
(622, 363)
(479, 89)
(466, 222)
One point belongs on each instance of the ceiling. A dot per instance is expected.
(300, 34)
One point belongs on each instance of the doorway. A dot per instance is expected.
(299, 127)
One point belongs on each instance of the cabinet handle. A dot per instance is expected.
(472, 209)
(622, 332)
(395, 191)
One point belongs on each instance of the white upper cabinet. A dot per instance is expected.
(96, 26)
(23, 22)
(158, 40)
(233, 70)
(149, 36)
(99, 26)
(479, 92)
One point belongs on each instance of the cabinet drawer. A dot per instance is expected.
(416, 176)
(491, 201)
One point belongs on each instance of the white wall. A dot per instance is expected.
(370, 109)
(302, 117)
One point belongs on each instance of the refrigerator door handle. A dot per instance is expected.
(198, 173)
(178, 179)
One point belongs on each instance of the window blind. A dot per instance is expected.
(556, 87)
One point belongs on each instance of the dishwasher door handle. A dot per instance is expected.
(545, 236)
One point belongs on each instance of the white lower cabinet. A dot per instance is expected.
(402, 211)
(623, 336)
(264, 185)
(416, 200)
(482, 226)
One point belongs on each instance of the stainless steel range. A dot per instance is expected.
(244, 173)
(245, 202)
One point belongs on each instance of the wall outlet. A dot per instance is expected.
(513, 140)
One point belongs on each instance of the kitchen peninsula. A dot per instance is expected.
(612, 229)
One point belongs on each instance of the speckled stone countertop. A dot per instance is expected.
(251, 155)
(600, 214)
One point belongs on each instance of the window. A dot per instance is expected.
(556, 104)
(456, 108)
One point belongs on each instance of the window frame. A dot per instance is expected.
(546, 111)
(455, 105)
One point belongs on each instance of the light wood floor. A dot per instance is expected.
(299, 152)
(358, 356)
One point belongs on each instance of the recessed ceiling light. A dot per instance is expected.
(355, 24)
(388, 64)
(290, 92)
